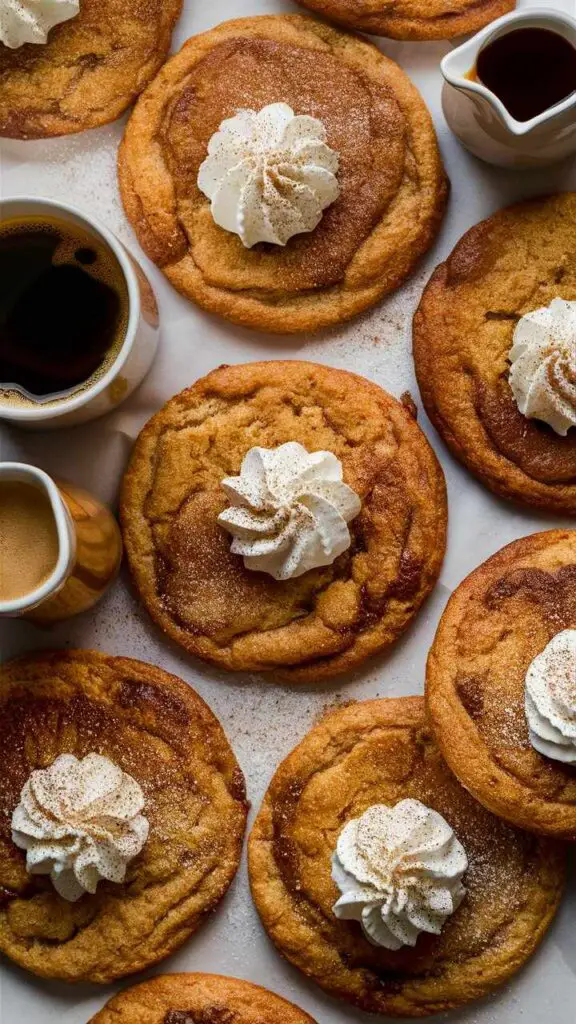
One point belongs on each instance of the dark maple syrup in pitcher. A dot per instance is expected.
(529, 69)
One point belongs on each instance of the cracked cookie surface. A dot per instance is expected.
(494, 625)
(157, 729)
(392, 184)
(515, 262)
(90, 70)
(412, 19)
(383, 751)
(199, 999)
(329, 619)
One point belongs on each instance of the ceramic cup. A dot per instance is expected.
(480, 120)
(136, 352)
(89, 550)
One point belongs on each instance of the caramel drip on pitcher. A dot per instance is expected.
(98, 557)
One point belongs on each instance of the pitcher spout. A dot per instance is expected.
(457, 64)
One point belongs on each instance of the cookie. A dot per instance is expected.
(517, 261)
(495, 624)
(90, 70)
(330, 618)
(392, 184)
(412, 19)
(374, 753)
(199, 999)
(158, 730)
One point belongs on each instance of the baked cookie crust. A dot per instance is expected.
(330, 619)
(90, 70)
(515, 261)
(412, 19)
(199, 999)
(383, 751)
(494, 625)
(157, 729)
(393, 186)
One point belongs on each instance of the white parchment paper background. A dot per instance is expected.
(264, 721)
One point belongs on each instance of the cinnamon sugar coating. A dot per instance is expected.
(330, 619)
(514, 262)
(89, 71)
(199, 999)
(382, 751)
(392, 184)
(412, 19)
(494, 625)
(159, 731)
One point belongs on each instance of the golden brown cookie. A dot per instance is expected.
(393, 187)
(329, 619)
(157, 729)
(412, 19)
(494, 625)
(514, 262)
(382, 751)
(199, 999)
(89, 71)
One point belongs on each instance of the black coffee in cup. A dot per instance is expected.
(63, 309)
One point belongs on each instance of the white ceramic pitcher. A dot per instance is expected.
(479, 118)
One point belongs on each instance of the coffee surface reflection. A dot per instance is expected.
(63, 309)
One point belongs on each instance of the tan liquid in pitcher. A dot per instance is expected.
(28, 539)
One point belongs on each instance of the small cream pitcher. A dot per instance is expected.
(89, 550)
(478, 117)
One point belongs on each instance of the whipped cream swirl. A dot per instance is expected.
(29, 21)
(399, 870)
(290, 510)
(543, 365)
(269, 175)
(550, 698)
(80, 822)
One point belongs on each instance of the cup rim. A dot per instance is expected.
(76, 401)
(23, 471)
(477, 42)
